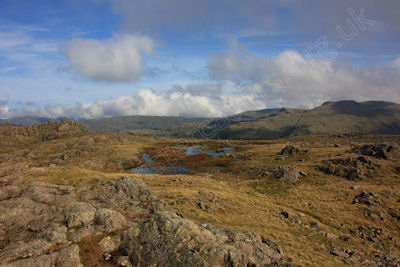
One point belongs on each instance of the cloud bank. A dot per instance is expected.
(295, 80)
(146, 102)
(118, 59)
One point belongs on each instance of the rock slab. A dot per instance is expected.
(43, 224)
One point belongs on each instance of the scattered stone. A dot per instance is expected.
(387, 260)
(178, 179)
(369, 234)
(368, 199)
(345, 253)
(315, 225)
(209, 202)
(293, 218)
(205, 207)
(327, 234)
(303, 173)
(345, 238)
(373, 214)
(395, 214)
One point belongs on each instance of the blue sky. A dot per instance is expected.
(101, 58)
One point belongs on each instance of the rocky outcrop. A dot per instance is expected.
(380, 151)
(350, 168)
(281, 173)
(291, 151)
(170, 240)
(117, 223)
(65, 257)
(45, 131)
(121, 163)
(285, 174)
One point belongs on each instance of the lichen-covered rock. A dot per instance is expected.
(129, 194)
(110, 244)
(124, 261)
(67, 257)
(58, 195)
(80, 214)
(167, 239)
(7, 192)
(55, 234)
(110, 220)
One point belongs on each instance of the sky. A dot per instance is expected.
(88, 59)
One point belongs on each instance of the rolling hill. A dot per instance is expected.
(151, 124)
(29, 120)
(329, 118)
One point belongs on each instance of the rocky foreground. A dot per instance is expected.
(118, 223)
(326, 200)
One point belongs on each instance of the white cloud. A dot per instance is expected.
(146, 102)
(236, 65)
(199, 89)
(115, 60)
(294, 80)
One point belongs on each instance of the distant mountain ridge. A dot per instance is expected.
(128, 123)
(29, 120)
(329, 118)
